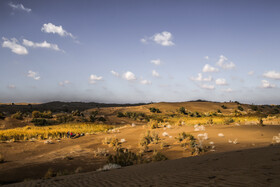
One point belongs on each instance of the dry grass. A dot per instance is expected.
(46, 132)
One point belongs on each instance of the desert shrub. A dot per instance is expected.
(100, 152)
(112, 142)
(188, 141)
(219, 111)
(154, 110)
(76, 113)
(101, 119)
(254, 107)
(2, 159)
(120, 115)
(157, 156)
(42, 122)
(153, 124)
(228, 121)
(180, 122)
(50, 173)
(2, 116)
(237, 113)
(182, 110)
(147, 139)
(64, 118)
(124, 157)
(17, 115)
(210, 121)
(240, 108)
(92, 116)
(224, 107)
(38, 114)
(261, 122)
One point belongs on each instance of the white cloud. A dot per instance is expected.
(266, 84)
(272, 75)
(200, 78)
(206, 57)
(129, 76)
(251, 73)
(14, 46)
(227, 90)
(34, 75)
(164, 38)
(221, 82)
(94, 78)
(115, 73)
(144, 40)
(11, 86)
(19, 7)
(44, 44)
(64, 83)
(208, 87)
(208, 68)
(223, 64)
(51, 28)
(145, 82)
(156, 62)
(155, 73)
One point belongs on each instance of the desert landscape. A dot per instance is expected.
(205, 141)
(139, 93)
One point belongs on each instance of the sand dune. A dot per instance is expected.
(250, 167)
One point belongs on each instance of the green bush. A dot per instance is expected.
(42, 122)
(228, 121)
(124, 157)
(157, 156)
(92, 116)
(120, 115)
(154, 110)
(17, 115)
(182, 110)
(240, 108)
(64, 118)
(2, 116)
(45, 114)
(224, 107)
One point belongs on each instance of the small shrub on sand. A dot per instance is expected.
(153, 124)
(50, 173)
(100, 152)
(124, 157)
(228, 121)
(157, 156)
(112, 142)
(149, 138)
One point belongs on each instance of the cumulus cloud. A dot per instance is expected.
(51, 28)
(164, 38)
(145, 82)
(251, 73)
(208, 68)
(227, 90)
(44, 44)
(200, 78)
(266, 84)
(206, 57)
(116, 74)
(34, 75)
(94, 78)
(156, 62)
(11, 86)
(19, 7)
(207, 86)
(222, 62)
(64, 83)
(272, 75)
(155, 73)
(129, 76)
(14, 46)
(221, 82)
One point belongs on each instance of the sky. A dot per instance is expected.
(129, 51)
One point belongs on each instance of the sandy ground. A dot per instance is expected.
(250, 162)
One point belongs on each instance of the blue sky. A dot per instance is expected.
(140, 51)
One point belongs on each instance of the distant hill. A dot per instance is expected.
(57, 106)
